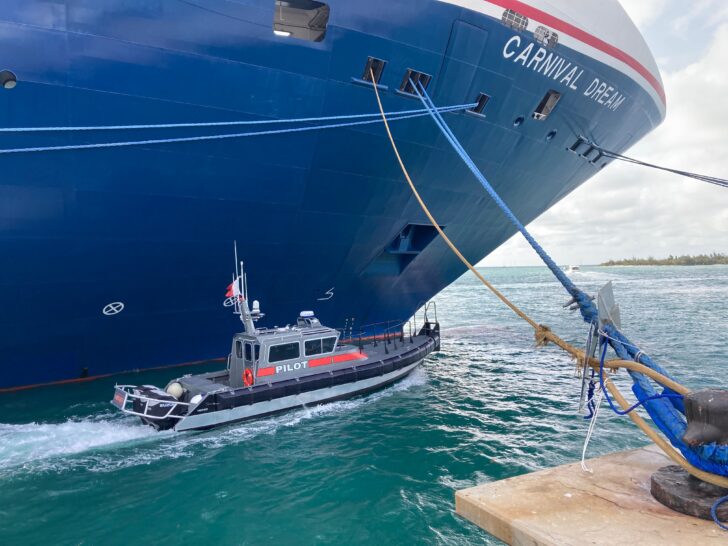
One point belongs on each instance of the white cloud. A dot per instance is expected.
(644, 12)
(628, 210)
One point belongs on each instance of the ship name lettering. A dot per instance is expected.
(604, 94)
(558, 69)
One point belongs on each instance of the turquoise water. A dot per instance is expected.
(378, 469)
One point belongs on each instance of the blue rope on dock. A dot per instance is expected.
(714, 512)
(665, 409)
(614, 408)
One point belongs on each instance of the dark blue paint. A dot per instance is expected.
(153, 227)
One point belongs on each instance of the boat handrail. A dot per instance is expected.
(128, 396)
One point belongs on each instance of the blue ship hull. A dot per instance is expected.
(314, 213)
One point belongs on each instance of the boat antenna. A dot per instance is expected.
(235, 247)
(245, 285)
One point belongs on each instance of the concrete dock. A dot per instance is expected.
(566, 505)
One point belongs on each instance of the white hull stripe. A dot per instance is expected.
(578, 40)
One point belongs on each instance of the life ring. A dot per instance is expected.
(248, 377)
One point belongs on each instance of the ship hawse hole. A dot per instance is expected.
(481, 101)
(550, 136)
(596, 158)
(518, 121)
(577, 144)
(303, 19)
(8, 80)
(414, 77)
(586, 154)
(373, 65)
(547, 104)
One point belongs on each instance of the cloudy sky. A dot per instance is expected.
(627, 210)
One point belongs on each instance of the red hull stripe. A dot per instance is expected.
(263, 372)
(582, 36)
(325, 361)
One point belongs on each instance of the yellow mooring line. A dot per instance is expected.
(544, 335)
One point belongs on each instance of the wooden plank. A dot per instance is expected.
(565, 505)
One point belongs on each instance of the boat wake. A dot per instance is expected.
(25, 444)
(108, 442)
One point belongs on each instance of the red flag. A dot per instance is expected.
(233, 289)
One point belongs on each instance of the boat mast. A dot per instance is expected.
(241, 301)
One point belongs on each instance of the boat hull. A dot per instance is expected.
(279, 405)
(149, 229)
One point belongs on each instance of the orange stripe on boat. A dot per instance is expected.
(325, 361)
(263, 372)
(349, 356)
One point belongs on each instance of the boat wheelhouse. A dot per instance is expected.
(274, 369)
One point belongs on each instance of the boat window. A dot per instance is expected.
(313, 347)
(303, 19)
(285, 351)
(248, 352)
(327, 344)
(547, 104)
(239, 349)
(257, 352)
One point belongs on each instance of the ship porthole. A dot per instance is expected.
(8, 80)
(550, 136)
(518, 121)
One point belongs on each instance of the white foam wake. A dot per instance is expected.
(109, 442)
(26, 443)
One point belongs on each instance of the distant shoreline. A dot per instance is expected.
(700, 259)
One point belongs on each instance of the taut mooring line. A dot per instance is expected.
(544, 335)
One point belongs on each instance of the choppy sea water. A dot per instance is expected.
(377, 469)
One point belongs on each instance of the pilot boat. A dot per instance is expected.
(270, 370)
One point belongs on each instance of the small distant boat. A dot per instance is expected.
(573, 269)
(270, 370)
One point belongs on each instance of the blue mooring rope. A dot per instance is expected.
(714, 512)
(666, 411)
(73, 128)
(148, 142)
(614, 408)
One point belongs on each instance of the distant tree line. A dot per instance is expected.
(701, 259)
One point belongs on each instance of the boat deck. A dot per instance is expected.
(373, 350)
